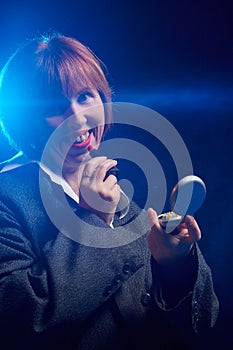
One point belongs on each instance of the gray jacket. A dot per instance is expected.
(58, 293)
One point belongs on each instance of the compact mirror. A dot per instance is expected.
(186, 198)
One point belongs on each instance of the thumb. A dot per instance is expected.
(152, 217)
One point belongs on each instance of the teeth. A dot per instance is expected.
(82, 138)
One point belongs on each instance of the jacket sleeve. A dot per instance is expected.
(188, 300)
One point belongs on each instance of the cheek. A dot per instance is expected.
(99, 115)
(97, 118)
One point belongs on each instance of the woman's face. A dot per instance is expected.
(81, 125)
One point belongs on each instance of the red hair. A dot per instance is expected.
(38, 76)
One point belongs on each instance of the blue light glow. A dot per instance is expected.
(183, 98)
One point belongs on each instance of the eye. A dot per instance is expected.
(83, 97)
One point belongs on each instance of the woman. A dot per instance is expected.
(56, 292)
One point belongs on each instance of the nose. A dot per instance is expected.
(76, 115)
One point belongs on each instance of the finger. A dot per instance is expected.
(104, 167)
(91, 166)
(111, 181)
(153, 218)
(193, 228)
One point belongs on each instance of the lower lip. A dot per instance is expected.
(83, 144)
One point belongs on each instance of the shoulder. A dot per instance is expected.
(17, 169)
(13, 162)
(20, 184)
(19, 174)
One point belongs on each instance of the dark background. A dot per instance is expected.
(177, 58)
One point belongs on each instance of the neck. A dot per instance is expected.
(72, 174)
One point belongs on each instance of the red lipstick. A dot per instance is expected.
(83, 144)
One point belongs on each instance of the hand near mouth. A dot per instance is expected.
(98, 194)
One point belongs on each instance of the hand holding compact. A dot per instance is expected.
(172, 234)
(167, 248)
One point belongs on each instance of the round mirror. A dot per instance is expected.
(186, 198)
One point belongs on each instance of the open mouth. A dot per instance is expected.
(83, 140)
